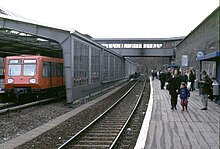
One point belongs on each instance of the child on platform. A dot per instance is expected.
(184, 95)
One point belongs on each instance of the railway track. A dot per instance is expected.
(105, 131)
(4, 105)
(8, 108)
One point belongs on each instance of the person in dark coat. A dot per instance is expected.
(174, 86)
(192, 78)
(205, 89)
(184, 78)
(168, 76)
(162, 78)
(152, 74)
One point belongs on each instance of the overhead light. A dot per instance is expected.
(14, 32)
(40, 39)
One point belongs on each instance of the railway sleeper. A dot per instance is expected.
(103, 131)
(112, 123)
(102, 134)
(124, 146)
(99, 138)
(91, 146)
(94, 142)
(107, 128)
(115, 118)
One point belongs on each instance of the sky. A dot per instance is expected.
(117, 18)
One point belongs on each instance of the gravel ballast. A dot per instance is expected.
(24, 120)
(28, 119)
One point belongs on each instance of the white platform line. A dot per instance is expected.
(140, 144)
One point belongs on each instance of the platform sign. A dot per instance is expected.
(185, 60)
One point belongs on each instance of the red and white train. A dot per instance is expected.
(33, 75)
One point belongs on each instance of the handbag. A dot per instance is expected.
(188, 85)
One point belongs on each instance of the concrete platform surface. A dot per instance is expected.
(167, 129)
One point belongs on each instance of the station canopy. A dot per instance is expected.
(14, 42)
(215, 56)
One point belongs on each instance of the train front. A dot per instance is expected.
(21, 76)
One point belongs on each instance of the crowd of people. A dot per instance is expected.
(181, 84)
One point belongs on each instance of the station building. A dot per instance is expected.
(203, 40)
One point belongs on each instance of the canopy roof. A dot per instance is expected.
(215, 56)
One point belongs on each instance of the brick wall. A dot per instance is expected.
(204, 37)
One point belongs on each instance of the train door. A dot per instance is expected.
(53, 74)
(47, 73)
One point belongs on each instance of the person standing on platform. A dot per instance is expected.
(152, 74)
(205, 89)
(192, 80)
(184, 77)
(168, 76)
(174, 86)
(184, 95)
(162, 78)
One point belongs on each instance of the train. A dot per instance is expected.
(37, 77)
(33, 76)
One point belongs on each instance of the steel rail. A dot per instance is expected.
(129, 118)
(98, 118)
(6, 105)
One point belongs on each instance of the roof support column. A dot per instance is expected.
(68, 55)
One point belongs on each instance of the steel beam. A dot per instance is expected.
(68, 55)
(35, 29)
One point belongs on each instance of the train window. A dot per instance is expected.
(30, 61)
(46, 69)
(29, 70)
(2, 59)
(29, 67)
(15, 61)
(2, 66)
(59, 69)
(14, 70)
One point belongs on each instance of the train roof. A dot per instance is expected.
(31, 56)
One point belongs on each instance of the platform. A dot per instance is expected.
(166, 129)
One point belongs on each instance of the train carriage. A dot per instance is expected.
(33, 75)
